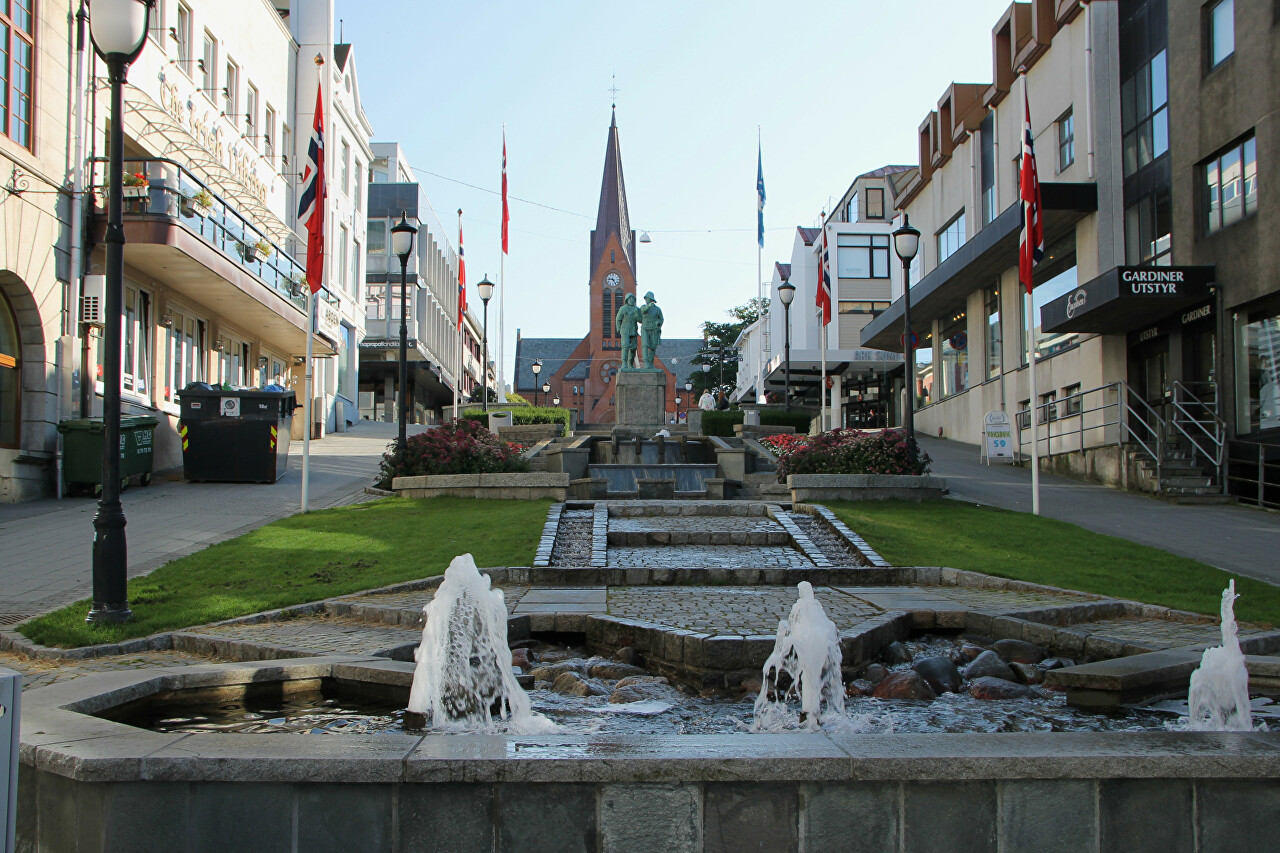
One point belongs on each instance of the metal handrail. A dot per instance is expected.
(1260, 466)
(1213, 430)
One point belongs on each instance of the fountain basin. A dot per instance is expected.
(88, 777)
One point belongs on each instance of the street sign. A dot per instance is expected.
(997, 437)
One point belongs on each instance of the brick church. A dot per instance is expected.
(581, 372)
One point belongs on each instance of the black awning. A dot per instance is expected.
(1124, 298)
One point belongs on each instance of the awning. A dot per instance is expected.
(1124, 298)
(980, 261)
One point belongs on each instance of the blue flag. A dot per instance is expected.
(760, 197)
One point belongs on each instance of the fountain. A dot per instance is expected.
(807, 650)
(463, 669)
(1219, 694)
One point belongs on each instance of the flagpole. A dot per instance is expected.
(1027, 259)
(764, 328)
(306, 402)
(502, 280)
(457, 377)
(822, 389)
(1035, 431)
(316, 217)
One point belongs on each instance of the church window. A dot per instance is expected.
(607, 313)
(613, 256)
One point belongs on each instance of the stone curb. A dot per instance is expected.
(547, 543)
(798, 537)
(841, 529)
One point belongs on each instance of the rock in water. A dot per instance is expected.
(988, 665)
(876, 673)
(572, 684)
(904, 685)
(1020, 651)
(522, 658)
(627, 654)
(1219, 694)
(1027, 673)
(896, 653)
(611, 670)
(987, 687)
(940, 672)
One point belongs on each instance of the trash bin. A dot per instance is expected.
(82, 451)
(237, 436)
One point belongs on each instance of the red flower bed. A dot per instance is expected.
(461, 448)
(785, 444)
(850, 451)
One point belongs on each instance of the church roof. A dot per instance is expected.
(612, 217)
(676, 353)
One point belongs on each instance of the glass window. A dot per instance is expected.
(1222, 32)
(344, 365)
(862, 307)
(269, 132)
(231, 92)
(955, 358)
(1071, 404)
(951, 237)
(862, 255)
(251, 114)
(1044, 293)
(10, 375)
(994, 362)
(355, 268)
(1258, 374)
(17, 83)
(1144, 113)
(875, 203)
(1231, 185)
(1066, 140)
(377, 236)
(346, 168)
(924, 371)
(357, 190)
(375, 302)
(137, 341)
(1147, 230)
(183, 36)
(157, 19)
(208, 65)
(986, 132)
(343, 248)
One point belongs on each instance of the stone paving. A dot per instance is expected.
(994, 601)
(417, 599)
(41, 673)
(322, 634)
(729, 610)
(1157, 633)
(573, 538)
(718, 556)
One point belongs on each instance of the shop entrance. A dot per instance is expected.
(1149, 378)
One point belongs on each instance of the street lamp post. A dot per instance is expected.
(786, 293)
(536, 367)
(906, 242)
(485, 289)
(119, 32)
(402, 246)
(555, 401)
(546, 389)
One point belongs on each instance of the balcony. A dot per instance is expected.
(180, 233)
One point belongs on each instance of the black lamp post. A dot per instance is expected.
(555, 401)
(546, 389)
(906, 242)
(485, 289)
(119, 32)
(536, 367)
(786, 293)
(402, 246)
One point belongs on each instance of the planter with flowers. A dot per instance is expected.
(259, 251)
(847, 464)
(198, 204)
(135, 185)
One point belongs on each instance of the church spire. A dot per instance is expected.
(612, 217)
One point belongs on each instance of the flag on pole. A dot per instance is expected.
(462, 274)
(311, 204)
(506, 211)
(759, 196)
(1031, 248)
(824, 279)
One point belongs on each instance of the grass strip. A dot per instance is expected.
(308, 557)
(1026, 547)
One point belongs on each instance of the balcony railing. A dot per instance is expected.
(172, 191)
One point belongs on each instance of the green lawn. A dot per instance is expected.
(309, 557)
(1026, 547)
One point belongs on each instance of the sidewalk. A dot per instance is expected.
(47, 545)
(1238, 539)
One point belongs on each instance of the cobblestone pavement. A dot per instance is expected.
(41, 673)
(417, 599)
(573, 538)
(961, 598)
(695, 524)
(717, 556)
(1156, 633)
(832, 546)
(323, 634)
(740, 611)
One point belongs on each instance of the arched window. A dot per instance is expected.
(10, 375)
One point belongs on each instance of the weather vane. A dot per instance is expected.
(613, 92)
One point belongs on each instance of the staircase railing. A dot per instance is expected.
(1249, 473)
(1195, 417)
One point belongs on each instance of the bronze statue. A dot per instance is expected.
(628, 317)
(650, 329)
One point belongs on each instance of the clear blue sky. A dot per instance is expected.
(837, 87)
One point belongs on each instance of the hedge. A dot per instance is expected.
(718, 422)
(523, 415)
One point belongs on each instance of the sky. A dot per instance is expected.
(829, 85)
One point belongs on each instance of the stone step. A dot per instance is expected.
(1198, 481)
(1206, 499)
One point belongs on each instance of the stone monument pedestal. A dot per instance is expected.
(641, 398)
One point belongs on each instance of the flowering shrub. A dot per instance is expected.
(849, 451)
(461, 448)
(517, 447)
(785, 444)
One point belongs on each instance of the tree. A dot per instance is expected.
(719, 349)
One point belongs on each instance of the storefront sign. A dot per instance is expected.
(328, 321)
(1197, 314)
(1124, 299)
(387, 343)
(997, 436)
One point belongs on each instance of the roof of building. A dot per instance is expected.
(784, 270)
(612, 216)
(809, 234)
(340, 54)
(884, 172)
(676, 353)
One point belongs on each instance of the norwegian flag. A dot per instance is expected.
(311, 205)
(824, 279)
(506, 211)
(1031, 247)
(462, 274)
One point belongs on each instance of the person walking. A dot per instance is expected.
(706, 402)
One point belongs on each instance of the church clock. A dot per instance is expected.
(613, 280)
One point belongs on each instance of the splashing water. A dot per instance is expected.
(464, 663)
(808, 650)
(1219, 694)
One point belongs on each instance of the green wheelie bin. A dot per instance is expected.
(82, 451)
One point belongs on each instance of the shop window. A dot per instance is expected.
(955, 357)
(1147, 230)
(1258, 373)
(137, 341)
(1066, 141)
(10, 375)
(862, 256)
(994, 351)
(924, 371)
(1144, 113)
(1231, 185)
(1221, 32)
(951, 237)
(17, 70)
